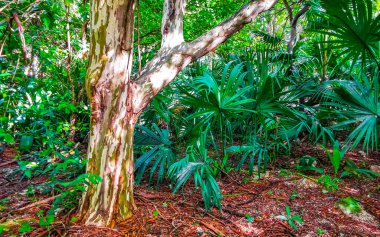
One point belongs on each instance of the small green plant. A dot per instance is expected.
(45, 220)
(319, 231)
(350, 167)
(27, 167)
(158, 156)
(349, 205)
(249, 218)
(246, 180)
(156, 213)
(70, 193)
(3, 202)
(336, 155)
(329, 183)
(6, 137)
(307, 163)
(200, 166)
(291, 219)
(294, 195)
(30, 191)
(285, 173)
(25, 227)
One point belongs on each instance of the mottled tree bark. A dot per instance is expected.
(113, 117)
(117, 100)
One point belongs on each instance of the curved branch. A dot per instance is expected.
(169, 61)
(289, 10)
(299, 14)
(214, 37)
(293, 24)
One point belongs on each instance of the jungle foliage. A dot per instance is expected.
(239, 109)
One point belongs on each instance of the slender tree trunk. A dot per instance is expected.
(73, 116)
(293, 20)
(325, 59)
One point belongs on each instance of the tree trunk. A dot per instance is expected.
(117, 101)
(113, 114)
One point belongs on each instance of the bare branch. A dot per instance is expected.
(21, 34)
(299, 14)
(293, 24)
(289, 10)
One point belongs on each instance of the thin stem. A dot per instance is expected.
(72, 85)
(138, 36)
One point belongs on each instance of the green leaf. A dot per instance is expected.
(335, 156)
(68, 2)
(26, 143)
(291, 223)
(47, 21)
(319, 231)
(25, 227)
(287, 209)
(298, 218)
(46, 221)
(94, 179)
(8, 138)
(350, 205)
(249, 218)
(6, 74)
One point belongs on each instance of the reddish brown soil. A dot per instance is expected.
(160, 213)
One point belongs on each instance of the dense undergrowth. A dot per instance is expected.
(236, 111)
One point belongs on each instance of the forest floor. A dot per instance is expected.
(250, 207)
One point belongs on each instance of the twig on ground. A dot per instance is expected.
(212, 228)
(8, 163)
(233, 212)
(38, 203)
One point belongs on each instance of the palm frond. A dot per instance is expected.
(353, 29)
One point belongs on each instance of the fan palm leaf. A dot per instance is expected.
(353, 28)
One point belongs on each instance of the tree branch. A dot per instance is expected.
(293, 24)
(289, 10)
(169, 61)
(21, 34)
(172, 23)
(299, 14)
(214, 37)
